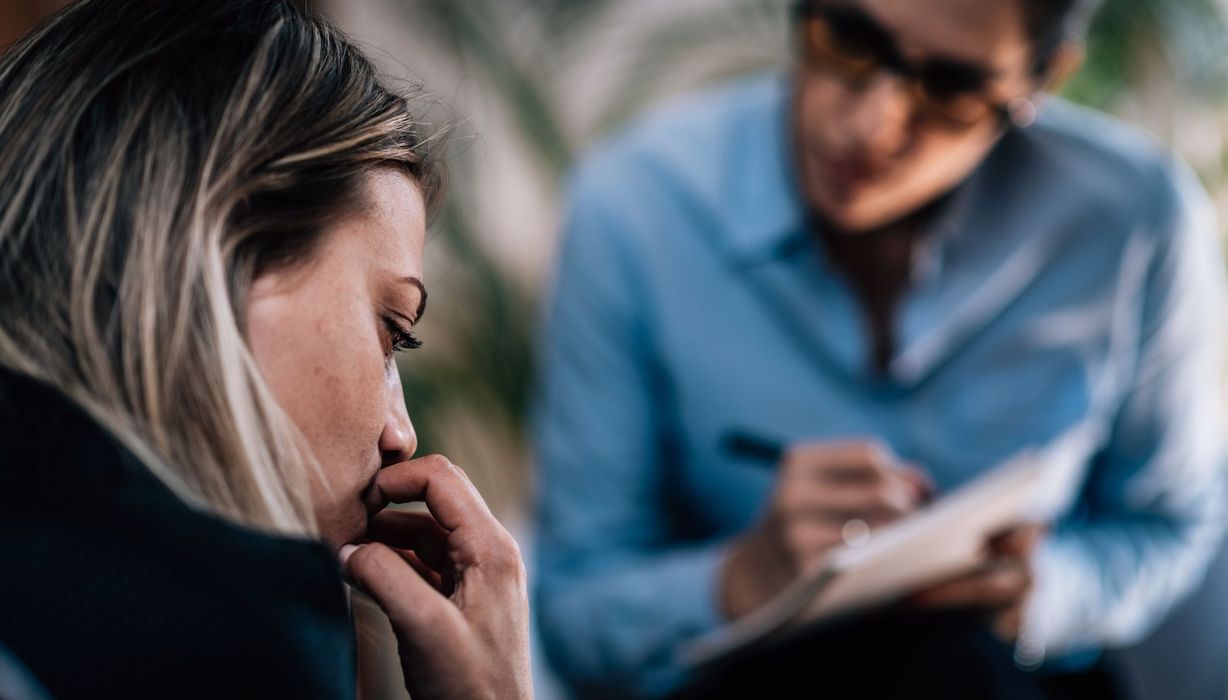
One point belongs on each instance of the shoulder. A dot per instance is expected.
(1115, 170)
(118, 584)
(684, 146)
(658, 191)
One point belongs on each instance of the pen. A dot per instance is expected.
(762, 451)
(766, 452)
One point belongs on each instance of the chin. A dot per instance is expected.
(343, 523)
(862, 210)
(850, 215)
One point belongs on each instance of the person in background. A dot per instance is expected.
(905, 262)
(212, 219)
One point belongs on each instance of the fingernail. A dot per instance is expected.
(343, 554)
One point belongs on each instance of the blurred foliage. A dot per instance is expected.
(525, 52)
(1187, 39)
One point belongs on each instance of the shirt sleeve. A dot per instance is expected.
(1155, 498)
(615, 594)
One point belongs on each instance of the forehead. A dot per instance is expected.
(392, 223)
(990, 33)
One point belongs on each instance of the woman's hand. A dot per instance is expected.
(452, 583)
(822, 488)
(1001, 587)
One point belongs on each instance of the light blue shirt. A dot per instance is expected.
(1073, 282)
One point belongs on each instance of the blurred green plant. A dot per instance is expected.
(525, 53)
(1185, 39)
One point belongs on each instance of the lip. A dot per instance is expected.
(370, 495)
(847, 173)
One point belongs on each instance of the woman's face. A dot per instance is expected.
(325, 334)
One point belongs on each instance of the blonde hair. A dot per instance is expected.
(155, 157)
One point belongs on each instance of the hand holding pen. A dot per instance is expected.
(1001, 587)
(823, 490)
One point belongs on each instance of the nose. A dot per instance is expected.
(879, 117)
(397, 441)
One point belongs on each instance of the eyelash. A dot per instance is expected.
(401, 340)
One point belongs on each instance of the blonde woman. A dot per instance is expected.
(211, 231)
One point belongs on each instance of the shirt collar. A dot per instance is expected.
(762, 203)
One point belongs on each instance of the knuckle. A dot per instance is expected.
(502, 555)
(883, 497)
(517, 572)
(369, 562)
(788, 502)
(864, 453)
(509, 556)
(806, 459)
(877, 475)
(1021, 579)
(1006, 582)
(880, 492)
(795, 466)
(874, 453)
(801, 452)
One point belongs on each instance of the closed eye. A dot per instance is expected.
(400, 339)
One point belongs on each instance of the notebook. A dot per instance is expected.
(941, 541)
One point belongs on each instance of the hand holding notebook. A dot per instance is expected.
(935, 544)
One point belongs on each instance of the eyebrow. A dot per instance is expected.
(970, 71)
(885, 35)
(422, 296)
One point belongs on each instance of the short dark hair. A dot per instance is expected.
(1051, 23)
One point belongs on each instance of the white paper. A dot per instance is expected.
(937, 543)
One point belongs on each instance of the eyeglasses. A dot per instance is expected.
(849, 44)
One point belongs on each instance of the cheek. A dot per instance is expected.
(347, 421)
(941, 159)
(326, 369)
(819, 103)
(347, 381)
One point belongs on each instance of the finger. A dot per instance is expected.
(447, 492)
(1007, 623)
(420, 532)
(807, 546)
(859, 460)
(913, 480)
(428, 574)
(1018, 542)
(804, 540)
(476, 538)
(861, 464)
(839, 517)
(997, 587)
(923, 485)
(878, 503)
(891, 499)
(413, 606)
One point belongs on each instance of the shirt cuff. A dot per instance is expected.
(1057, 607)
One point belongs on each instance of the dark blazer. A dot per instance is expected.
(111, 586)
